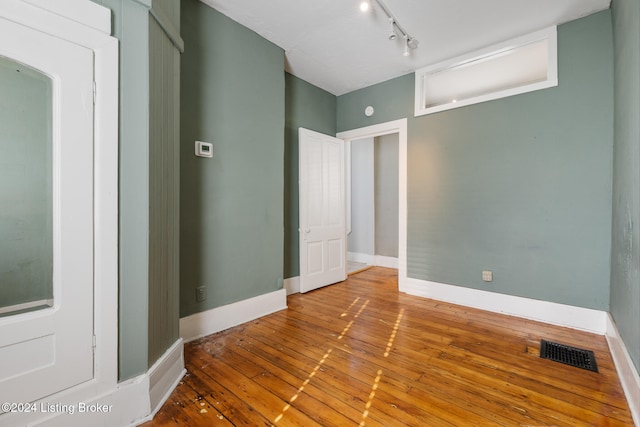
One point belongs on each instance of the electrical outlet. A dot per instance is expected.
(201, 293)
(487, 275)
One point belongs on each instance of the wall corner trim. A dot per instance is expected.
(165, 374)
(626, 369)
(585, 319)
(292, 285)
(220, 318)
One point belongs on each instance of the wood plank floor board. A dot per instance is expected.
(361, 353)
(333, 381)
(557, 370)
(262, 400)
(528, 395)
(284, 381)
(225, 402)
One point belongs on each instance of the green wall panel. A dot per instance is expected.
(520, 186)
(164, 189)
(232, 95)
(149, 182)
(625, 254)
(131, 27)
(312, 108)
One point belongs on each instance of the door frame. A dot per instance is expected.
(392, 127)
(88, 24)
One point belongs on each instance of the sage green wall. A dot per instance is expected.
(130, 26)
(312, 108)
(26, 215)
(164, 178)
(386, 199)
(520, 186)
(233, 96)
(145, 143)
(625, 255)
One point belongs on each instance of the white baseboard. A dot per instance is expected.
(165, 375)
(627, 371)
(386, 261)
(377, 260)
(360, 257)
(131, 402)
(220, 318)
(585, 319)
(292, 285)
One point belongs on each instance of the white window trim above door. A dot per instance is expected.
(399, 127)
(90, 29)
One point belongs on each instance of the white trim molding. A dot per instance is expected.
(26, 306)
(164, 376)
(130, 403)
(89, 25)
(220, 318)
(292, 285)
(386, 261)
(627, 371)
(360, 257)
(387, 128)
(584, 319)
(377, 260)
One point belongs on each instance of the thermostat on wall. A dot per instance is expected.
(204, 149)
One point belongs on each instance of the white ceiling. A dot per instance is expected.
(334, 46)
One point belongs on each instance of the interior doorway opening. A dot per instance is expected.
(372, 199)
(399, 129)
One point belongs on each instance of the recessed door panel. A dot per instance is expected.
(322, 210)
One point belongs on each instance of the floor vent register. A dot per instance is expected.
(584, 359)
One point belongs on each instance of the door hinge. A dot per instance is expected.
(93, 343)
(95, 90)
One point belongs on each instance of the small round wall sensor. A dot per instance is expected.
(368, 111)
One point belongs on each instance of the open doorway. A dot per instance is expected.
(372, 194)
(395, 129)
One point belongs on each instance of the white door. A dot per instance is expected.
(46, 342)
(322, 210)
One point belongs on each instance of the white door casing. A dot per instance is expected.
(50, 350)
(322, 210)
(399, 127)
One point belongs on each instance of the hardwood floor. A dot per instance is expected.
(361, 353)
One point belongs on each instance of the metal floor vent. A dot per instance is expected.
(584, 359)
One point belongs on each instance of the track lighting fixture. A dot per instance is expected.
(406, 46)
(396, 29)
(392, 31)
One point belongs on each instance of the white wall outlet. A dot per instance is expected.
(204, 149)
(487, 275)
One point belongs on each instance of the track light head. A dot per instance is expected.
(406, 47)
(392, 30)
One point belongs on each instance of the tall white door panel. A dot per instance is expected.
(322, 210)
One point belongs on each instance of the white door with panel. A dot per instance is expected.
(322, 210)
(46, 328)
